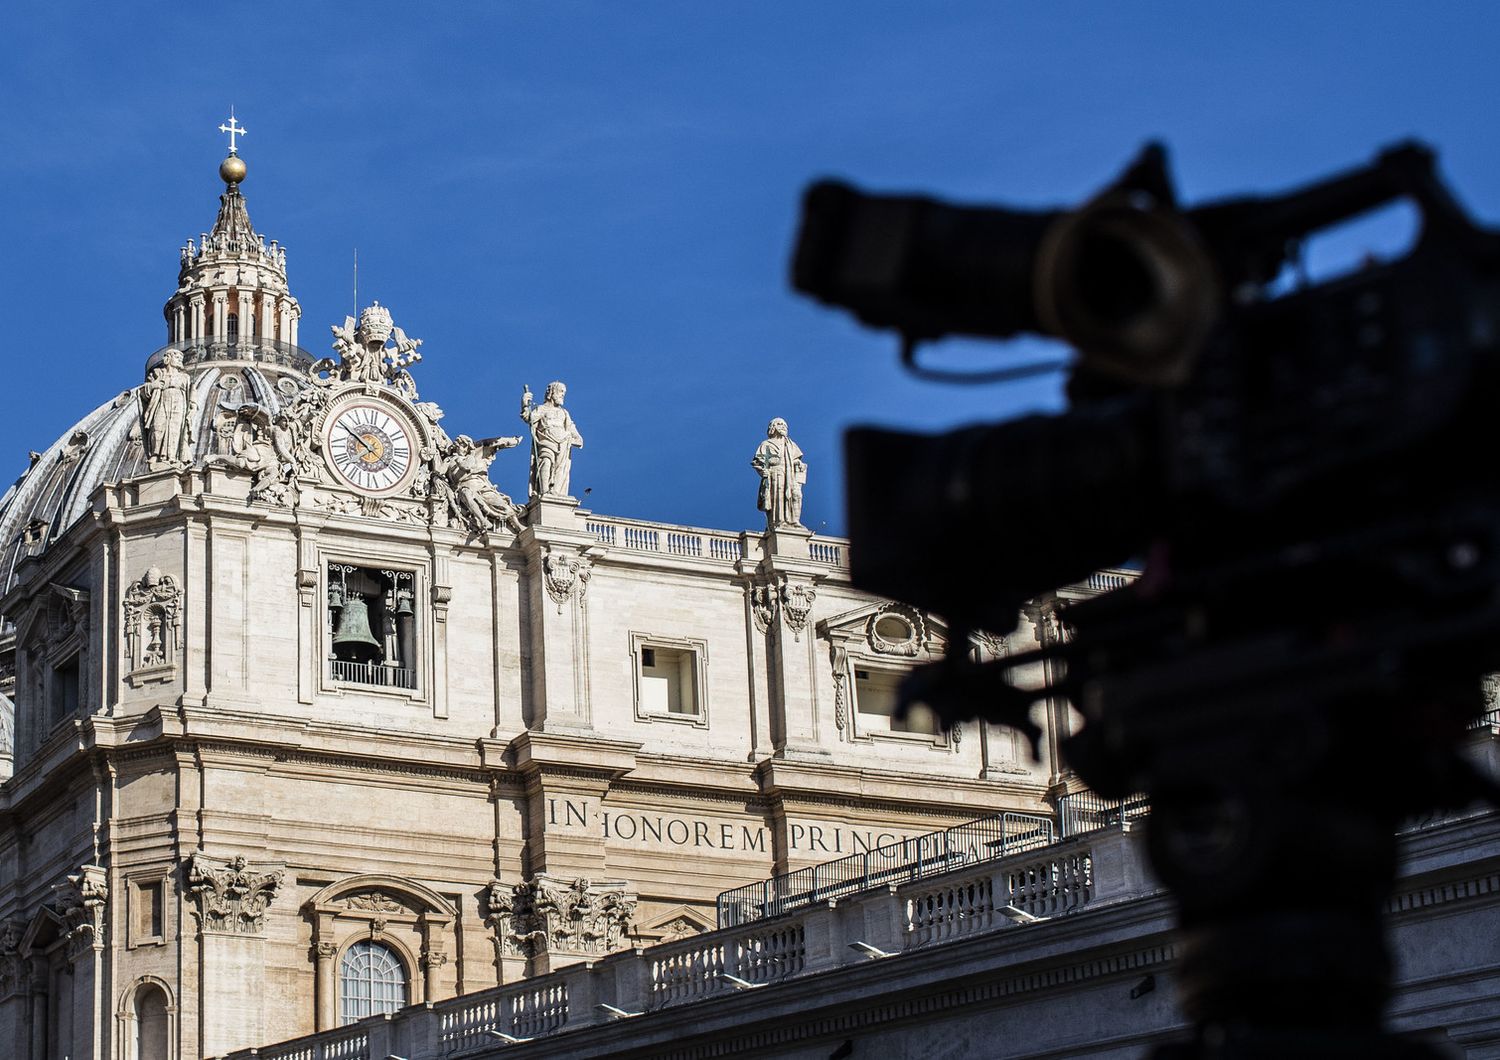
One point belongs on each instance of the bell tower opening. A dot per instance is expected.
(372, 626)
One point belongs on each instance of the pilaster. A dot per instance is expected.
(231, 899)
(783, 599)
(567, 776)
(560, 554)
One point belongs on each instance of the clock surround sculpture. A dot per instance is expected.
(353, 423)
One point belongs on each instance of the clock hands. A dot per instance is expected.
(366, 446)
(380, 455)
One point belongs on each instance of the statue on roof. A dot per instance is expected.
(782, 473)
(553, 439)
(364, 356)
(168, 424)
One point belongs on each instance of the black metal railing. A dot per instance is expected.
(1084, 811)
(971, 843)
(378, 674)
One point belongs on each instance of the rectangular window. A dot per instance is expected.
(372, 626)
(64, 690)
(875, 693)
(668, 683)
(669, 678)
(148, 913)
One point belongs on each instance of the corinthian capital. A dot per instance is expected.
(80, 902)
(232, 895)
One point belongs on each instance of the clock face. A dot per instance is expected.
(369, 448)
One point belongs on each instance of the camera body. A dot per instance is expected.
(1305, 477)
(1213, 424)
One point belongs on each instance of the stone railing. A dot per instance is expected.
(1103, 867)
(249, 348)
(636, 535)
(831, 551)
(1102, 581)
(346, 1043)
(529, 1010)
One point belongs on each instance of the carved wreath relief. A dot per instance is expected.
(896, 629)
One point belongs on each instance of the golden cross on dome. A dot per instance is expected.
(233, 130)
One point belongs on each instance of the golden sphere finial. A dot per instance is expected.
(232, 169)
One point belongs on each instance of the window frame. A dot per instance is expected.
(898, 667)
(694, 647)
(137, 895)
(400, 962)
(421, 637)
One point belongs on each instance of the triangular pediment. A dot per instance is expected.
(43, 932)
(55, 602)
(887, 627)
(678, 922)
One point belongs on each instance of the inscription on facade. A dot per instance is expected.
(653, 830)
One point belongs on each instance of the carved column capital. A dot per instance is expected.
(80, 902)
(231, 896)
(554, 914)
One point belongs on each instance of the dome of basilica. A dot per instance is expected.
(233, 321)
(105, 446)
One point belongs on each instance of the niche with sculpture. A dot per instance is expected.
(153, 628)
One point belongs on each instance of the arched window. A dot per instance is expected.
(371, 981)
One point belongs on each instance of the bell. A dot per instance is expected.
(353, 642)
(403, 603)
(335, 596)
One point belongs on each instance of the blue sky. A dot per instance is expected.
(606, 192)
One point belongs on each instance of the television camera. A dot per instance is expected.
(1304, 476)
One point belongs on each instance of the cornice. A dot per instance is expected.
(796, 782)
(582, 755)
(384, 767)
(750, 802)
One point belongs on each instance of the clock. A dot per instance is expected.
(370, 447)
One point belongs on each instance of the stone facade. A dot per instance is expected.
(296, 687)
(1062, 951)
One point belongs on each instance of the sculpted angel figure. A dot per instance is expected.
(264, 447)
(782, 473)
(553, 439)
(465, 468)
(168, 430)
